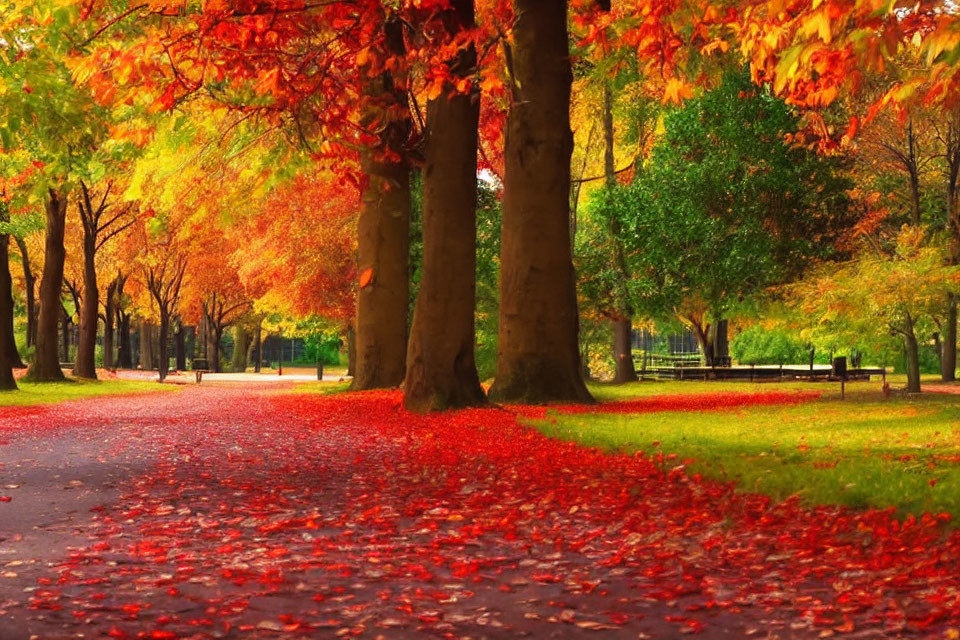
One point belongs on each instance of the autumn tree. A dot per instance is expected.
(441, 363)
(879, 296)
(539, 359)
(54, 119)
(99, 227)
(164, 279)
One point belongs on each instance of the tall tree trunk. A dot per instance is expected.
(624, 370)
(89, 313)
(441, 366)
(8, 341)
(383, 247)
(216, 335)
(109, 319)
(65, 323)
(351, 351)
(125, 346)
(383, 244)
(241, 346)
(912, 353)
(948, 362)
(948, 342)
(7, 355)
(46, 363)
(163, 344)
(538, 358)
(180, 346)
(148, 356)
(704, 336)
(30, 283)
(718, 340)
(258, 339)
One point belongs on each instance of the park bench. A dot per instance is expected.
(200, 367)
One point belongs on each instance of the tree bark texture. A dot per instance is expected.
(383, 244)
(8, 340)
(86, 364)
(8, 356)
(46, 361)
(30, 284)
(180, 346)
(624, 370)
(538, 359)
(241, 347)
(109, 323)
(912, 358)
(441, 365)
(125, 346)
(948, 344)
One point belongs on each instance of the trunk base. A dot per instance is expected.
(540, 383)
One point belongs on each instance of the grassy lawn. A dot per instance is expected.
(865, 451)
(322, 388)
(32, 393)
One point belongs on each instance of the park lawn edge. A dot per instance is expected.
(38, 394)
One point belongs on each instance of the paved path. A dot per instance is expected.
(225, 512)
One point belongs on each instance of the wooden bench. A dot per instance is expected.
(200, 367)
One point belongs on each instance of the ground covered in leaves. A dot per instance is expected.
(236, 513)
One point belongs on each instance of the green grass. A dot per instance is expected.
(322, 388)
(34, 393)
(865, 451)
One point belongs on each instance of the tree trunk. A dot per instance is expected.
(125, 347)
(258, 358)
(948, 342)
(10, 356)
(109, 316)
(911, 351)
(623, 350)
(624, 371)
(351, 351)
(29, 281)
(383, 245)
(180, 346)
(163, 350)
(65, 322)
(86, 364)
(704, 336)
(147, 349)
(538, 358)
(46, 363)
(441, 367)
(718, 340)
(241, 345)
(216, 334)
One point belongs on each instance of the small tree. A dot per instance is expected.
(879, 298)
(98, 227)
(164, 280)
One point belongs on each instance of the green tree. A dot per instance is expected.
(727, 206)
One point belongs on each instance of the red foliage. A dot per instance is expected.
(347, 515)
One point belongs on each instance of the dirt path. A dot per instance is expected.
(224, 512)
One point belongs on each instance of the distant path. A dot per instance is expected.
(224, 512)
